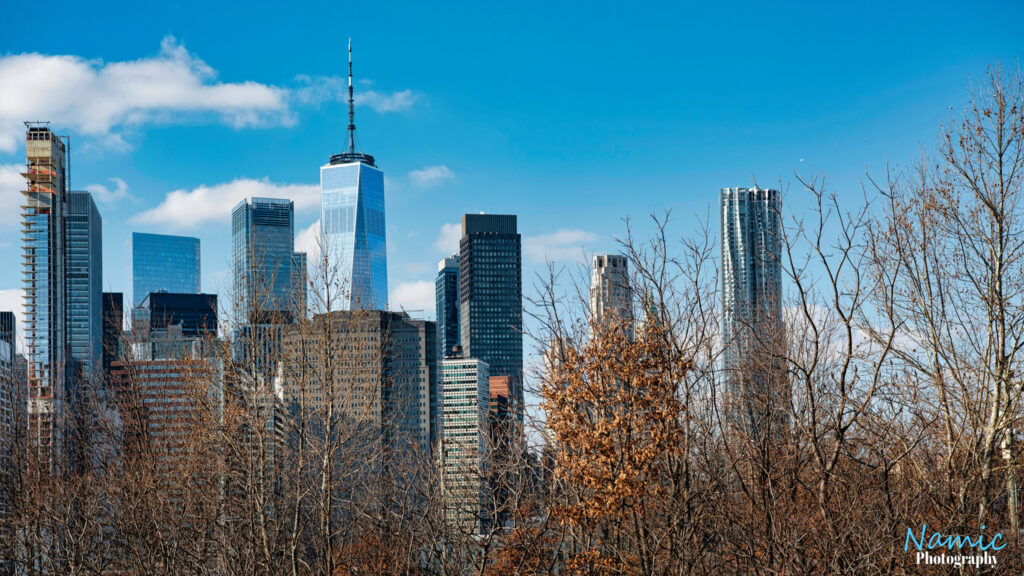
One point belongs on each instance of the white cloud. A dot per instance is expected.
(448, 240)
(105, 194)
(11, 185)
(431, 175)
(414, 296)
(14, 301)
(383, 102)
(560, 245)
(187, 209)
(308, 241)
(97, 98)
(315, 90)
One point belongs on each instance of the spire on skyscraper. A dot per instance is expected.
(351, 105)
(350, 155)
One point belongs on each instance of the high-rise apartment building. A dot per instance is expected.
(43, 272)
(83, 231)
(352, 220)
(464, 442)
(491, 298)
(611, 298)
(446, 291)
(163, 263)
(751, 304)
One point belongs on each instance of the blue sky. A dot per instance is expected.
(573, 116)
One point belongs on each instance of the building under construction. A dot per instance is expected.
(46, 181)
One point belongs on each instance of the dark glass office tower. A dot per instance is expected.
(491, 297)
(113, 328)
(8, 329)
(194, 314)
(751, 305)
(43, 272)
(162, 263)
(84, 268)
(446, 289)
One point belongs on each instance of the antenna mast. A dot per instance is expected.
(351, 105)
(349, 156)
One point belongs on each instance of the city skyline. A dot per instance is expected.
(451, 148)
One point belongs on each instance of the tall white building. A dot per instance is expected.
(751, 305)
(464, 447)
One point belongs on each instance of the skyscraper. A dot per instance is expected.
(491, 298)
(263, 241)
(352, 219)
(43, 268)
(162, 263)
(166, 378)
(113, 329)
(446, 289)
(379, 366)
(464, 444)
(610, 293)
(84, 269)
(751, 305)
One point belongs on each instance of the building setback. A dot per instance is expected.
(491, 298)
(84, 269)
(163, 263)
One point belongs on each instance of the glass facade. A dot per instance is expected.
(84, 269)
(43, 256)
(195, 315)
(162, 263)
(491, 297)
(446, 289)
(263, 244)
(353, 227)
